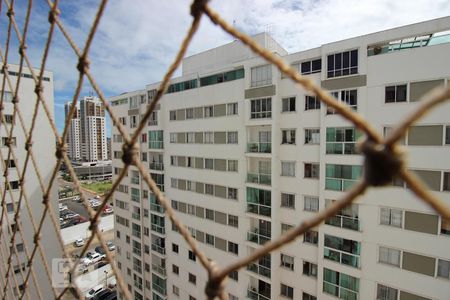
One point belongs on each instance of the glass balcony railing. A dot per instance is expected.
(156, 207)
(158, 228)
(259, 269)
(344, 222)
(259, 147)
(258, 237)
(339, 292)
(134, 180)
(136, 216)
(159, 166)
(259, 209)
(253, 294)
(159, 269)
(259, 178)
(156, 144)
(341, 257)
(159, 289)
(336, 184)
(159, 249)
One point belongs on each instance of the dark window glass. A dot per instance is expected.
(306, 67)
(330, 63)
(390, 94)
(354, 58)
(316, 65)
(345, 60)
(401, 93)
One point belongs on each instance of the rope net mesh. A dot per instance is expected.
(383, 158)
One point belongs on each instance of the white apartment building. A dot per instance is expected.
(92, 130)
(244, 154)
(73, 136)
(44, 152)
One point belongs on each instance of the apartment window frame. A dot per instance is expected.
(348, 97)
(312, 103)
(287, 200)
(287, 261)
(388, 218)
(232, 137)
(288, 136)
(261, 75)
(192, 278)
(286, 291)
(310, 203)
(232, 109)
(312, 136)
(288, 168)
(311, 66)
(313, 172)
(336, 66)
(390, 256)
(311, 237)
(309, 269)
(261, 108)
(386, 293)
(443, 268)
(288, 104)
(395, 93)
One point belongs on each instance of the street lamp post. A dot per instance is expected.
(106, 278)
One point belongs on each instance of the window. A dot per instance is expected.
(133, 121)
(233, 248)
(340, 285)
(389, 256)
(232, 193)
(285, 227)
(192, 278)
(261, 108)
(341, 140)
(209, 214)
(175, 290)
(349, 97)
(209, 239)
(232, 165)
(190, 137)
(344, 251)
(312, 102)
(312, 136)
(174, 248)
(311, 237)
(234, 275)
(446, 186)
(209, 163)
(287, 291)
(342, 64)
(261, 75)
(307, 296)
(311, 67)
(209, 137)
(233, 221)
(445, 226)
(288, 168)
(288, 104)
(443, 268)
(155, 139)
(311, 170)
(395, 93)
(288, 200)
(232, 109)
(9, 119)
(447, 135)
(391, 217)
(191, 256)
(309, 269)
(7, 97)
(209, 111)
(232, 137)
(341, 177)
(5, 141)
(311, 203)
(288, 136)
(287, 261)
(386, 293)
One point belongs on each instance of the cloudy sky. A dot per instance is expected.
(137, 39)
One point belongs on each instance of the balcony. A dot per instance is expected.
(158, 229)
(259, 178)
(136, 216)
(156, 145)
(158, 166)
(339, 292)
(157, 208)
(341, 257)
(351, 223)
(159, 289)
(134, 180)
(253, 294)
(258, 147)
(259, 269)
(259, 209)
(335, 184)
(258, 237)
(159, 269)
(159, 249)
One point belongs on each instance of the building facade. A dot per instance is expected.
(73, 136)
(244, 154)
(44, 152)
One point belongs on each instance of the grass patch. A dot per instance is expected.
(100, 187)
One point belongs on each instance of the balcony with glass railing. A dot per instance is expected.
(259, 269)
(158, 166)
(258, 237)
(259, 209)
(159, 289)
(158, 248)
(259, 178)
(259, 201)
(338, 291)
(351, 223)
(157, 228)
(259, 147)
(252, 293)
(134, 180)
(154, 205)
(159, 269)
(136, 216)
(341, 257)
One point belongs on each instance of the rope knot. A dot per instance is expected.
(61, 149)
(37, 238)
(94, 224)
(15, 99)
(45, 199)
(215, 285)
(22, 49)
(130, 153)
(38, 89)
(197, 8)
(381, 164)
(53, 14)
(10, 13)
(83, 64)
(28, 145)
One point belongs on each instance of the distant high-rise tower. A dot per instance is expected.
(92, 129)
(73, 136)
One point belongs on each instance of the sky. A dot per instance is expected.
(137, 39)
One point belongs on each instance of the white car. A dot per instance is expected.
(95, 257)
(94, 291)
(79, 242)
(62, 207)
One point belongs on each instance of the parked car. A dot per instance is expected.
(111, 296)
(111, 246)
(62, 207)
(82, 269)
(70, 215)
(99, 250)
(100, 264)
(107, 209)
(94, 291)
(112, 283)
(77, 199)
(102, 295)
(79, 242)
(95, 257)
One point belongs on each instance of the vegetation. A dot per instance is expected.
(100, 187)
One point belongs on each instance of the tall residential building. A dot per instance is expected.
(73, 136)
(87, 133)
(44, 152)
(244, 154)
